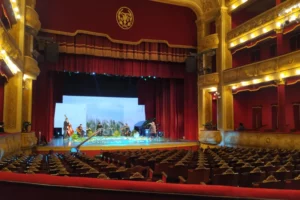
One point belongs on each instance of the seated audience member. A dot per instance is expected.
(241, 127)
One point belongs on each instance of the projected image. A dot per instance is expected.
(112, 113)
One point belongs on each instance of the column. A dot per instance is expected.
(31, 69)
(279, 35)
(224, 61)
(281, 106)
(13, 90)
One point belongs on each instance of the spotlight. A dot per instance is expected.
(154, 77)
(93, 73)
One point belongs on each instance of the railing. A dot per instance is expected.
(208, 80)
(274, 66)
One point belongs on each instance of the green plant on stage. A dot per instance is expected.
(116, 133)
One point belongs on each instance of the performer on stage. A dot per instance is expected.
(126, 130)
(100, 129)
(66, 126)
(80, 130)
(152, 129)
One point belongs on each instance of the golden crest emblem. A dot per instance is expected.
(125, 18)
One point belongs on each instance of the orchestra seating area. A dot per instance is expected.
(208, 173)
(242, 167)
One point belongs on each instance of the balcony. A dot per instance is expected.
(208, 80)
(272, 69)
(263, 24)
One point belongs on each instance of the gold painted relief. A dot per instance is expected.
(125, 18)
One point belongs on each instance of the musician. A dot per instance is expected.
(152, 129)
(126, 129)
(66, 127)
(100, 129)
(80, 130)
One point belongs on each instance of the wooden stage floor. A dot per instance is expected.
(101, 143)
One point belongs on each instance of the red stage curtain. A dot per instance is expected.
(172, 99)
(173, 102)
(101, 46)
(48, 90)
(99, 65)
(296, 108)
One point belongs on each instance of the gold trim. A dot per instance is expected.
(293, 83)
(110, 148)
(115, 40)
(258, 41)
(208, 80)
(32, 20)
(31, 67)
(253, 90)
(209, 42)
(118, 18)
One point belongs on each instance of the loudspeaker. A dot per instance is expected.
(191, 64)
(52, 52)
(57, 132)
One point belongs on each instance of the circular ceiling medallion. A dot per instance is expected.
(125, 18)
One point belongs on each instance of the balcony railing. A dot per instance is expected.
(278, 67)
(208, 80)
(263, 20)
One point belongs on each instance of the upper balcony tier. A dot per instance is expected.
(271, 69)
(273, 19)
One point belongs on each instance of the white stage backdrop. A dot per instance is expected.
(112, 112)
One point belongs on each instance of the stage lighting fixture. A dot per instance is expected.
(154, 77)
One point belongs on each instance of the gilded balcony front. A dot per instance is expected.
(208, 42)
(208, 80)
(283, 64)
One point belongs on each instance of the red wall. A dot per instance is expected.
(152, 20)
(292, 96)
(244, 101)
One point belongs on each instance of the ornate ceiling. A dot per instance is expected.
(204, 9)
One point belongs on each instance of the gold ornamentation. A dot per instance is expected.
(210, 137)
(32, 20)
(207, 80)
(29, 140)
(77, 32)
(260, 69)
(209, 42)
(9, 144)
(125, 18)
(31, 67)
(8, 43)
(262, 19)
(262, 139)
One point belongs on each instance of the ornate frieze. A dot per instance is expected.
(262, 139)
(260, 20)
(209, 42)
(210, 137)
(263, 68)
(208, 80)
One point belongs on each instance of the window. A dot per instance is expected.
(256, 117)
(296, 108)
(274, 117)
(255, 55)
(273, 50)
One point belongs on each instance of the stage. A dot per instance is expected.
(102, 143)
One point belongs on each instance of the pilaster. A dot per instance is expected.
(224, 61)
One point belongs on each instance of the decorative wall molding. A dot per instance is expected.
(33, 24)
(262, 139)
(31, 67)
(209, 42)
(258, 70)
(210, 137)
(8, 44)
(29, 140)
(208, 80)
(9, 144)
(260, 20)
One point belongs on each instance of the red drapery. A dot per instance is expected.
(296, 108)
(172, 100)
(99, 65)
(85, 44)
(274, 117)
(256, 117)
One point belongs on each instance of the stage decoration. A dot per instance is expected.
(125, 18)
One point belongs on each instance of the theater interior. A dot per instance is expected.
(219, 78)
